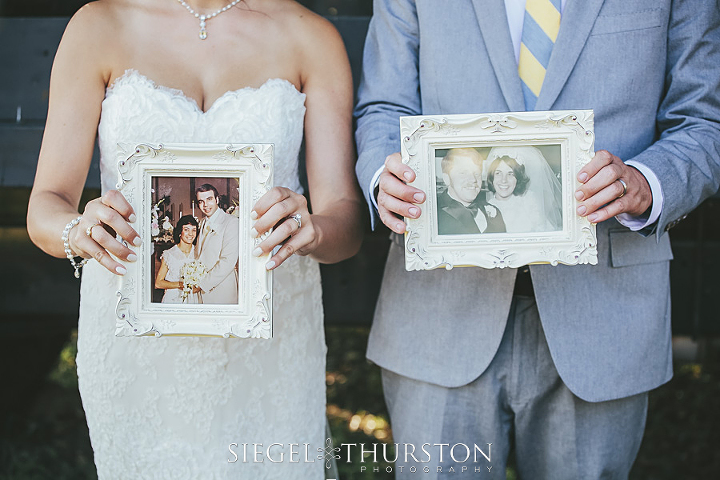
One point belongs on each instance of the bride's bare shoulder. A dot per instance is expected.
(99, 18)
(90, 39)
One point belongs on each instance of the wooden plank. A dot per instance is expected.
(19, 154)
(27, 49)
(353, 31)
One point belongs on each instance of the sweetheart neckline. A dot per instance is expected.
(178, 93)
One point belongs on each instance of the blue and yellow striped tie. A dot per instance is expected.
(540, 29)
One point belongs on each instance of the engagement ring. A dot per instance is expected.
(298, 218)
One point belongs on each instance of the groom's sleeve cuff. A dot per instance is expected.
(374, 183)
(636, 223)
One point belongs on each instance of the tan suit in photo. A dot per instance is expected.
(218, 249)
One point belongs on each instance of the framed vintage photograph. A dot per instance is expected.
(500, 189)
(195, 273)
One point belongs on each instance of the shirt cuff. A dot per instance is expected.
(374, 182)
(639, 222)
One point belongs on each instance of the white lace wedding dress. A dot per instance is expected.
(168, 408)
(175, 260)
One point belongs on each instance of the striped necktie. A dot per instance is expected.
(540, 29)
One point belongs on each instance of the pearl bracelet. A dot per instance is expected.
(69, 253)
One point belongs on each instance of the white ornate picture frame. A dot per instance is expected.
(542, 151)
(245, 168)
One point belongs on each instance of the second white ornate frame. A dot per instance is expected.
(573, 243)
(137, 314)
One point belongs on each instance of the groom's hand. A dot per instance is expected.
(395, 198)
(602, 192)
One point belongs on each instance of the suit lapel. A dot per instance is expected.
(577, 20)
(496, 34)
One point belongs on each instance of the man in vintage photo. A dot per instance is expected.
(556, 361)
(218, 249)
(462, 207)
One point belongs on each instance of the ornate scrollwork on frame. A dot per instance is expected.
(128, 325)
(139, 153)
(585, 252)
(245, 172)
(414, 131)
(259, 155)
(497, 123)
(418, 258)
(559, 237)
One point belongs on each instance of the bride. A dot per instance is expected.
(524, 188)
(172, 260)
(249, 71)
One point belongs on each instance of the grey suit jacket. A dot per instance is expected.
(651, 71)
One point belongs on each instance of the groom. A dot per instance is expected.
(462, 208)
(559, 370)
(218, 249)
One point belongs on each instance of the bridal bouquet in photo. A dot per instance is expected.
(191, 273)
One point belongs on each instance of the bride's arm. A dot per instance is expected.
(160, 281)
(333, 232)
(77, 88)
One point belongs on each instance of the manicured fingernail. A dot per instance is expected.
(579, 195)
(400, 226)
(257, 252)
(419, 197)
(253, 233)
(592, 217)
(121, 270)
(132, 218)
(137, 241)
(253, 215)
(269, 265)
(583, 177)
(132, 258)
(581, 210)
(407, 176)
(414, 211)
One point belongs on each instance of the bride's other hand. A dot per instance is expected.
(279, 209)
(396, 198)
(103, 218)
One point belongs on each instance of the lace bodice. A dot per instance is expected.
(170, 407)
(136, 110)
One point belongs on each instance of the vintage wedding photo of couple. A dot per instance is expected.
(195, 241)
(360, 239)
(498, 190)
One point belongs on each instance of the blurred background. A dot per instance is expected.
(42, 427)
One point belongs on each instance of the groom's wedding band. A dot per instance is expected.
(624, 188)
(88, 231)
(298, 218)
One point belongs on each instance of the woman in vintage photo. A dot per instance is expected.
(200, 71)
(172, 261)
(524, 188)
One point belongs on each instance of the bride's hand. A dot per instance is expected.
(95, 235)
(287, 212)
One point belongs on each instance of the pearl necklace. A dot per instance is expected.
(204, 18)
